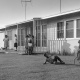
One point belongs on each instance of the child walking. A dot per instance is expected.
(78, 53)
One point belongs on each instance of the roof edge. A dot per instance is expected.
(62, 13)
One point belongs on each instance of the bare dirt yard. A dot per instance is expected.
(31, 67)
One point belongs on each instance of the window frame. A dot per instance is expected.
(70, 29)
(38, 31)
(43, 33)
(60, 31)
(21, 41)
(77, 28)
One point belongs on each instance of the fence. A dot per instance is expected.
(55, 45)
(52, 46)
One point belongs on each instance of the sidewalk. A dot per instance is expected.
(9, 51)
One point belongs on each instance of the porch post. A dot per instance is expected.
(64, 30)
(17, 35)
(34, 31)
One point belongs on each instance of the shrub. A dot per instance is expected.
(64, 52)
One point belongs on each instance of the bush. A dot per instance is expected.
(66, 53)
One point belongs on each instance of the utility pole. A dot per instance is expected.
(25, 1)
(60, 6)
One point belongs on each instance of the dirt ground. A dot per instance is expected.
(31, 67)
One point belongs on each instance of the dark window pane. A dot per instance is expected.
(38, 36)
(78, 23)
(38, 43)
(22, 37)
(78, 33)
(22, 31)
(44, 43)
(38, 31)
(78, 28)
(69, 33)
(44, 35)
(60, 26)
(60, 34)
(69, 24)
(38, 28)
(60, 30)
(44, 28)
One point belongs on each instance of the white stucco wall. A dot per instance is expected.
(70, 44)
(73, 44)
(1, 39)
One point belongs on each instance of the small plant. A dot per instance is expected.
(66, 53)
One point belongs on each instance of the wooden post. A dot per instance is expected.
(64, 30)
(17, 34)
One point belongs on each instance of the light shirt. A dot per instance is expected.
(15, 40)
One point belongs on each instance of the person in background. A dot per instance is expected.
(30, 44)
(15, 42)
(78, 53)
(26, 44)
(6, 42)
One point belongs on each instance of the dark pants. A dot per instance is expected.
(30, 50)
(15, 45)
(56, 59)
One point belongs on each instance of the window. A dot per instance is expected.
(78, 28)
(60, 30)
(44, 36)
(38, 34)
(9, 33)
(21, 37)
(69, 29)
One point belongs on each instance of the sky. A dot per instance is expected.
(13, 11)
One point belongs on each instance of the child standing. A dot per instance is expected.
(78, 53)
(30, 44)
(15, 43)
(26, 44)
(6, 42)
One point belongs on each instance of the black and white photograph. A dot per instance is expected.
(39, 39)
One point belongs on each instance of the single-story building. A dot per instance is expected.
(55, 33)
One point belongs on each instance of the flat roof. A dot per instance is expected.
(62, 14)
(20, 23)
(47, 17)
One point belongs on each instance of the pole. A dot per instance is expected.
(60, 6)
(25, 9)
(25, 1)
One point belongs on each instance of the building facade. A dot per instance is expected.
(57, 33)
